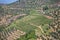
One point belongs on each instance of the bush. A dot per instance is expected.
(45, 8)
(29, 36)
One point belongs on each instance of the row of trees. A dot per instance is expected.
(1, 11)
(55, 26)
(54, 1)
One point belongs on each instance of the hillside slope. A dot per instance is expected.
(34, 21)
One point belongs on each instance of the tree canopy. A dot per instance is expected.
(55, 1)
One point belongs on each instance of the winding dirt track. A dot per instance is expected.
(6, 21)
(38, 27)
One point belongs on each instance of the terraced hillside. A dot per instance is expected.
(26, 20)
(34, 21)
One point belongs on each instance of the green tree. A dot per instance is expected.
(1, 10)
(29, 36)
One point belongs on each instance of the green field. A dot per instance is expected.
(33, 21)
(34, 18)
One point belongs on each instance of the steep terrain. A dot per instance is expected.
(32, 22)
(18, 19)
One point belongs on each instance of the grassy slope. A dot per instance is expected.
(35, 18)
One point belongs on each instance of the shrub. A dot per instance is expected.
(29, 36)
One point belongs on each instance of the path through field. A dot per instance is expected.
(38, 27)
(38, 32)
